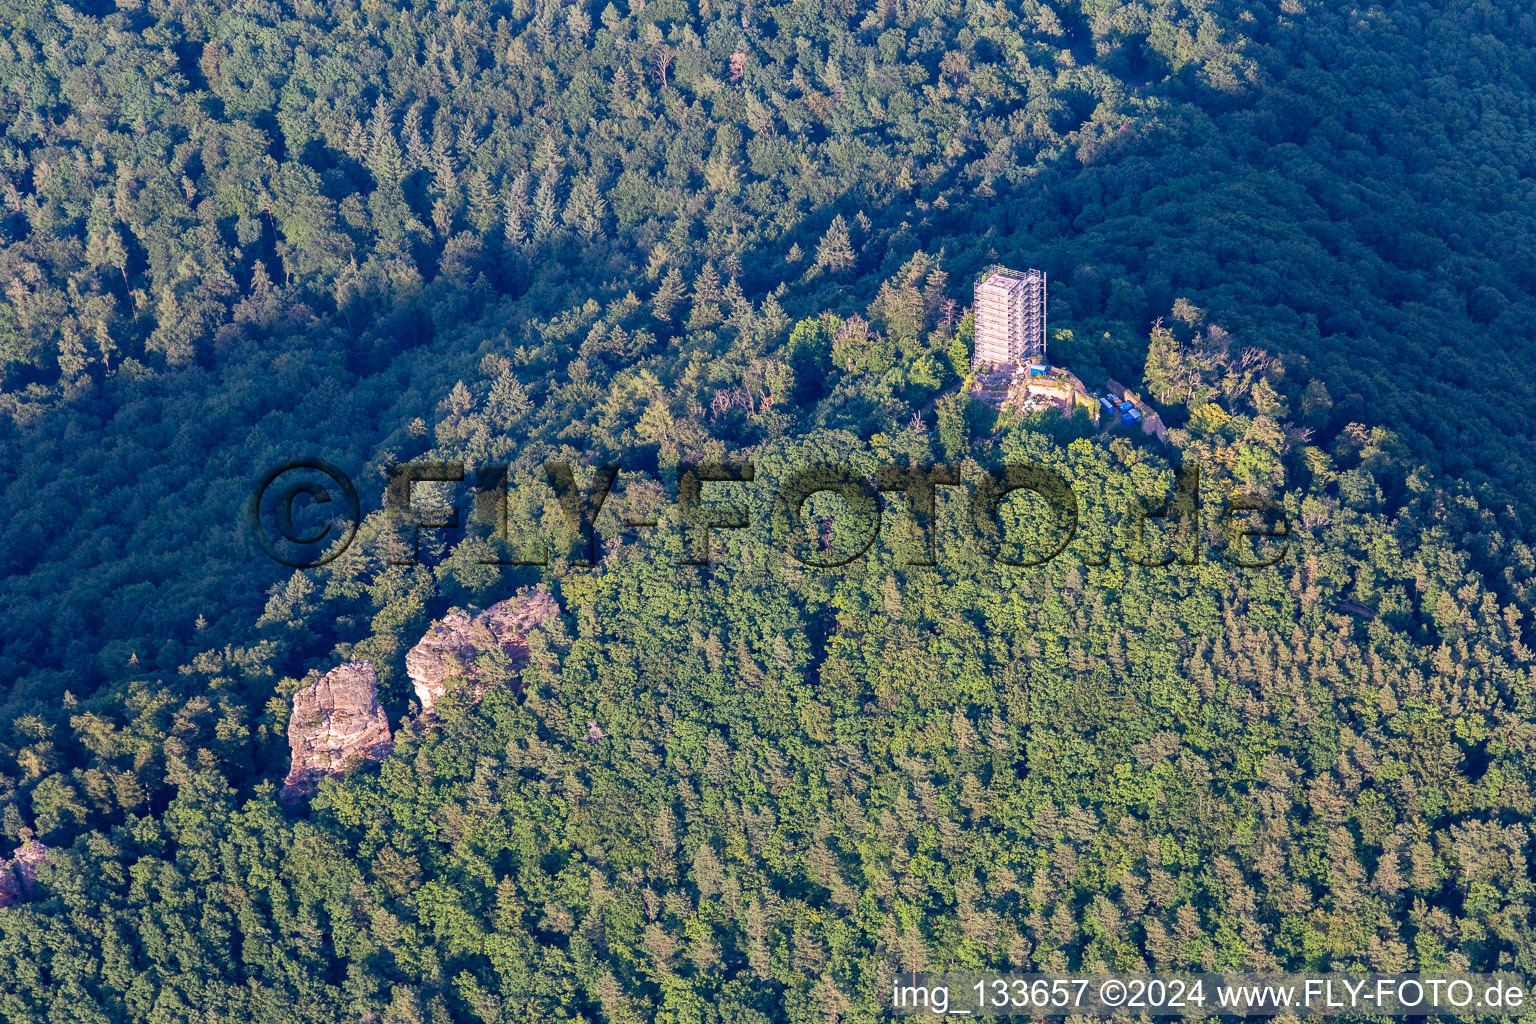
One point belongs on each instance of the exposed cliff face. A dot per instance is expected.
(452, 647)
(18, 876)
(336, 721)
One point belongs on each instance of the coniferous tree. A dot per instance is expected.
(668, 294)
(835, 251)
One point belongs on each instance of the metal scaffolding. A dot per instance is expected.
(1010, 317)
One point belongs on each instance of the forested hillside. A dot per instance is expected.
(236, 234)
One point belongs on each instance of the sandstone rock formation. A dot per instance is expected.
(452, 647)
(18, 876)
(336, 721)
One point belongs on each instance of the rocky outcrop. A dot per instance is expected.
(336, 722)
(453, 646)
(18, 876)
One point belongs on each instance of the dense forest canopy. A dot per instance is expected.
(671, 231)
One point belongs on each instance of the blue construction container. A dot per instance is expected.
(1130, 419)
(1036, 370)
(1107, 403)
(1127, 406)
